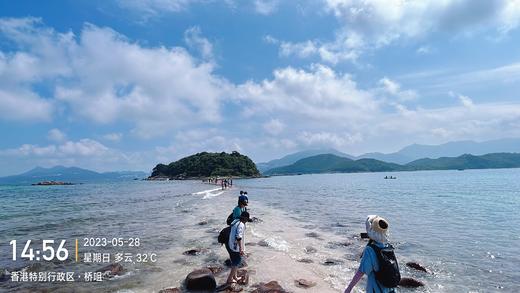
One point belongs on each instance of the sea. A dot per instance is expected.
(462, 226)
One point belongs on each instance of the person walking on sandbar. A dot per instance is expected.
(236, 247)
(378, 261)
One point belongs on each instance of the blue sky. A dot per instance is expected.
(113, 85)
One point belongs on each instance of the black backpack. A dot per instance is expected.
(388, 274)
(229, 219)
(223, 236)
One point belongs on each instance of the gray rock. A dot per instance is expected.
(416, 266)
(305, 260)
(332, 262)
(195, 251)
(312, 235)
(271, 287)
(201, 280)
(410, 283)
(310, 249)
(302, 283)
(112, 270)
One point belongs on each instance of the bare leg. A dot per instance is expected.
(232, 275)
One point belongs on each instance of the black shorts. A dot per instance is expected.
(235, 257)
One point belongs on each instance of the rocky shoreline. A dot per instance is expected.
(50, 183)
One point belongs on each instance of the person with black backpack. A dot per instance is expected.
(235, 246)
(378, 261)
(239, 209)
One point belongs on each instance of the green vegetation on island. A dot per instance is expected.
(205, 164)
(329, 163)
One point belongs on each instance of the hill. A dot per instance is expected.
(292, 158)
(208, 165)
(69, 174)
(497, 160)
(329, 163)
(334, 164)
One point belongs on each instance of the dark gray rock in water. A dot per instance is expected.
(201, 280)
(310, 249)
(340, 225)
(5, 275)
(202, 223)
(312, 235)
(337, 244)
(332, 262)
(256, 220)
(251, 244)
(305, 260)
(170, 290)
(263, 243)
(271, 287)
(195, 251)
(112, 270)
(416, 266)
(410, 283)
(302, 283)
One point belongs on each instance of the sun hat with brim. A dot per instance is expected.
(377, 228)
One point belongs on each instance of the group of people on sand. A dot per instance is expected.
(378, 260)
(224, 182)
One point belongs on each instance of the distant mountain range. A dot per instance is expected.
(327, 163)
(451, 149)
(409, 153)
(69, 174)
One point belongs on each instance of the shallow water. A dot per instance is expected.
(460, 225)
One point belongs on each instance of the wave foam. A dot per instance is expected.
(209, 193)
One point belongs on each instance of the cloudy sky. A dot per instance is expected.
(123, 85)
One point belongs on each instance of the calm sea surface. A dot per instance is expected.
(464, 226)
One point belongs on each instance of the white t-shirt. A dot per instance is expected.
(237, 232)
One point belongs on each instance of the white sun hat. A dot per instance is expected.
(377, 228)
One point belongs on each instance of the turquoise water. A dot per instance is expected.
(463, 226)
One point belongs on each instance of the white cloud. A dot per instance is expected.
(193, 38)
(21, 105)
(18, 69)
(393, 88)
(424, 50)
(56, 135)
(149, 8)
(346, 47)
(372, 24)
(464, 100)
(329, 139)
(274, 127)
(266, 7)
(83, 147)
(104, 77)
(319, 94)
(114, 137)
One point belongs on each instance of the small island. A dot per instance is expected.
(48, 183)
(206, 165)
